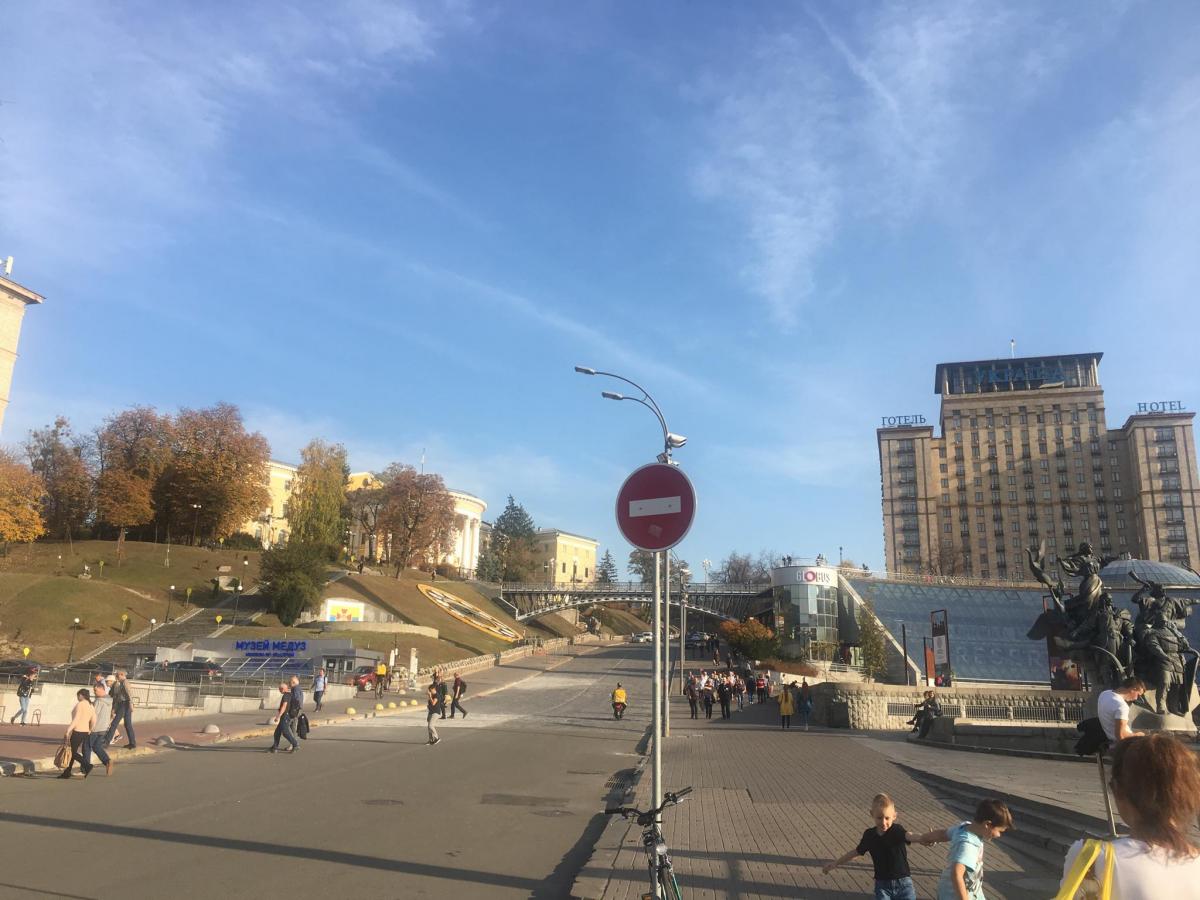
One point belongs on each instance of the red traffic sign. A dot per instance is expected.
(655, 507)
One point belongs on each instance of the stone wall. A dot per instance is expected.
(382, 627)
(888, 707)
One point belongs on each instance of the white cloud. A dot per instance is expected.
(817, 129)
(120, 122)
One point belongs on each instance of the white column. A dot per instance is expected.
(475, 529)
(462, 542)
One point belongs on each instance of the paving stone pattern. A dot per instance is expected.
(770, 807)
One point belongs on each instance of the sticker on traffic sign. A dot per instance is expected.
(655, 507)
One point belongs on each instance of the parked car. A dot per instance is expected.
(363, 678)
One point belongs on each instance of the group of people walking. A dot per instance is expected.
(729, 689)
(441, 697)
(96, 719)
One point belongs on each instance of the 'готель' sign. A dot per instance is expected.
(901, 421)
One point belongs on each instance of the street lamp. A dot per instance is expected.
(153, 622)
(553, 571)
(170, 597)
(74, 628)
(671, 441)
(195, 522)
(237, 599)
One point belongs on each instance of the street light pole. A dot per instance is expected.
(656, 742)
(170, 597)
(74, 628)
(666, 645)
(195, 522)
(904, 639)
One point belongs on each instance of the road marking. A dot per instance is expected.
(658, 506)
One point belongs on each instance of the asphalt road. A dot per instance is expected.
(507, 805)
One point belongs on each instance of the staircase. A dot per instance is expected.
(192, 625)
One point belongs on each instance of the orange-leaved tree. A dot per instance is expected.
(751, 639)
(20, 501)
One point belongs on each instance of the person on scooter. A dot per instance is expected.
(618, 701)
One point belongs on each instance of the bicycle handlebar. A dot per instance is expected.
(669, 799)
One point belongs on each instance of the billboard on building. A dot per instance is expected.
(939, 624)
(339, 609)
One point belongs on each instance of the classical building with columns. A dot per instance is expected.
(13, 300)
(463, 551)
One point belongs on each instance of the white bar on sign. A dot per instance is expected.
(660, 506)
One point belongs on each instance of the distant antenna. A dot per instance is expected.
(1012, 348)
(422, 460)
(8, 266)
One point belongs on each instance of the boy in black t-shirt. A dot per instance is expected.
(887, 843)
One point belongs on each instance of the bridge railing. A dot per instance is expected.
(628, 587)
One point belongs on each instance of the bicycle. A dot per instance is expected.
(658, 859)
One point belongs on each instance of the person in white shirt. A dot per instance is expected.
(1112, 708)
(1156, 783)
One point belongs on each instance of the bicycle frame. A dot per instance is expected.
(663, 883)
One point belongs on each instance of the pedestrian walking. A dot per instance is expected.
(725, 695)
(285, 719)
(693, 693)
(805, 704)
(707, 696)
(460, 688)
(318, 687)
(443, 691)
(24, 692)
(297, 694)
(381, 672)
(122, 711)
(79, 733)
(739, 691)
(760, 685)
(103, 705)
(787, 706)
(431, 707)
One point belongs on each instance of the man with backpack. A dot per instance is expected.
(289, 709)
(443, 693)
(24, 692)
(460, 688)
(122, 711)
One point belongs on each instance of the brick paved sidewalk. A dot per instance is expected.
(30, 749)
(770, 807)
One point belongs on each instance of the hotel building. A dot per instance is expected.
(1025, 454)
(14, 298)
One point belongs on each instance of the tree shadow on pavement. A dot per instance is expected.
(314, 854)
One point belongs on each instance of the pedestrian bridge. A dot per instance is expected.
(725, 601)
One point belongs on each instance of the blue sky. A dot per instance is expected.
(400, 225)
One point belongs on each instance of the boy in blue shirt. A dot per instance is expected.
(962, 879)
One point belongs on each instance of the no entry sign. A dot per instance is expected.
(655, 507)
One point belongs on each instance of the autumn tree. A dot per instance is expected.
(742, 568)
(751, 639)
(365, 507)
(217, 474)
(641, 564)
(419, 515)
(123, 499)
(319, 497)
(20, 501)
(56, 456)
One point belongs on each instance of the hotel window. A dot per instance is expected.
(946, 527)
(946, 499)
(1121, 508)
(1116, 476)
(1044, 463)
(1012, 479)
(981, 527)
(979, 496)
(945, 484)
(1045, 495)
(1042, 448)
(1030, 496)
(995, 496)
(1113, 461)
(1079, 477)
(946, 512)
(1116, 492)
(960, 470)
(1120, 524)
(1112, 445)
(1012, 495)
(943, 468)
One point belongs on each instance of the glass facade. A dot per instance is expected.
(806, 608)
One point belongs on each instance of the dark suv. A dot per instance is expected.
(192, 670)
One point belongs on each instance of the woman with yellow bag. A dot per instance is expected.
(1156, 784)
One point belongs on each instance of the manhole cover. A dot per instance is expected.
(382, 801)
(521, 800)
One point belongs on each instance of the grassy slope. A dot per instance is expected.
(619, 621)
(37, 605)
(404, 599)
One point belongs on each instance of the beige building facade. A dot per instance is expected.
(271, 526)
(563, 557)
(1024, 454)
(14, 299)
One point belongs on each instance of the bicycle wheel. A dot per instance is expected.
(668, 884)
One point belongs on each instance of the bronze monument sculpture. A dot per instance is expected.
(1109, 644)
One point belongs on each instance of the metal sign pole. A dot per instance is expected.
(656, 729)
(666, 698)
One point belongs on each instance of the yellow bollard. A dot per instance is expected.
(350, 710)
(378, 707)
(391, 704)
(412, 702)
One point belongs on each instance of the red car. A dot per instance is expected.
(363, 678)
